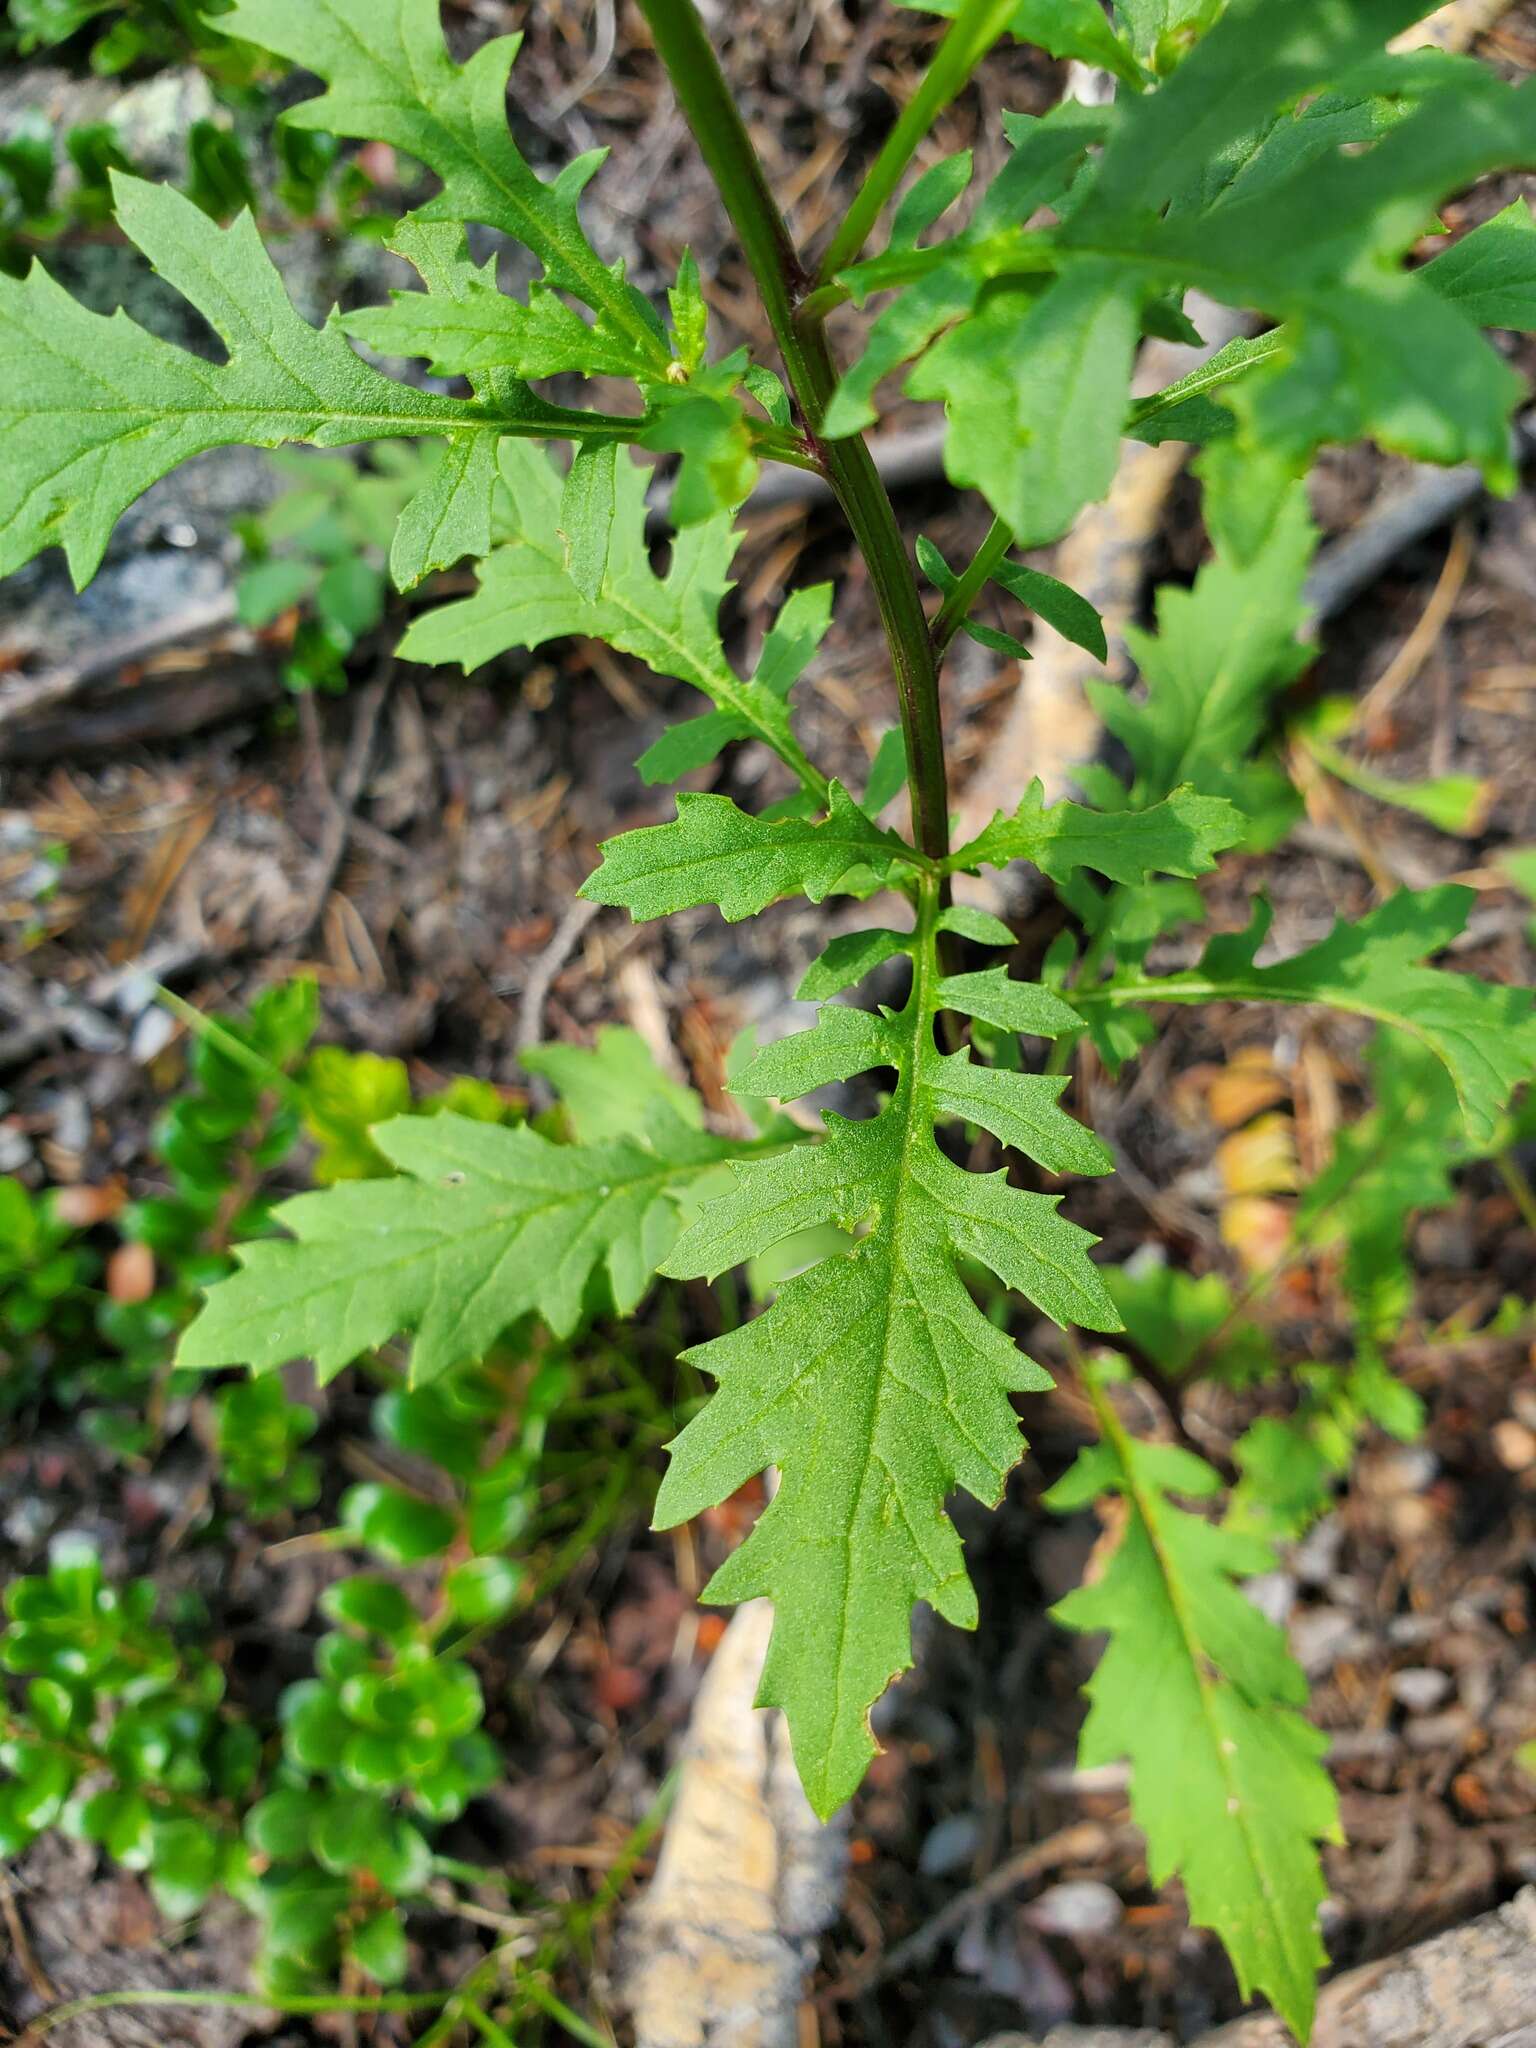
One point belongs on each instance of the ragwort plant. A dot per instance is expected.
(1272, 153)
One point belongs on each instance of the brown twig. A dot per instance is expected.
(1088, 1841)
(1420, 643)
(341, 803)
(530, 1020)
(21, 1945)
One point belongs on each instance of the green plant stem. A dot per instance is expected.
(579, 2029)
(975, 29)
(1515, 1178)
(584, 1918)
(233, 1049)
(471, 1873)
(721, 134)
(870, 513)
(489, 2031)
(239, 2001)
(956, 608)
(783, 444)
(825, 299)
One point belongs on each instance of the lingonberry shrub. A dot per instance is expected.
(1276, 155)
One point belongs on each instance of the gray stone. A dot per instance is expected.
(1320, 1636)
(1420, 1689)
(1077, 1907)
(950, 1844)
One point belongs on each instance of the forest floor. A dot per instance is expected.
(189, 800)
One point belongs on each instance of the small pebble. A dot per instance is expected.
(1316, 1557)
(1446, 1239)
(1419, 1689)
(71, 1121)
(151, 1035)
(1411, 1520)
(1439, 1731)
(1274, 1594)
(1407, 1469)
(1321, 1636)
(1514, 1445)
(950, 1845)
(1081, 1906)
(25, 1523)
(1404, 1629)
(1475, 1690)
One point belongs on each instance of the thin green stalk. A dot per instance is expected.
(239, 2001)
(721, 134)
(497, 2036)
(471, 1873)
(783, 444)
(956, 608)
(825, 299)
(585, 1917)
(975, 29)
(579, 2029)
(591, 1527)
(480, 1980)
(224, 1040)
(1515, 1178)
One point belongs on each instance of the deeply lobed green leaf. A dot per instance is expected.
(538, 585)
(716, 853)
(489, 1224)
(389, 78)
(1483, 1035)
(1198, 1690)
(94, 409)
(1239, 176)
(99, 409)
(874, 1382)
(1182, 835)
(1224, 648)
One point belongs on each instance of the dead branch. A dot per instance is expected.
(56, 686)
(1474, 1987)
(719, 1948)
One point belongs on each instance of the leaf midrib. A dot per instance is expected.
(664, 1176)
(1145, 1507)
